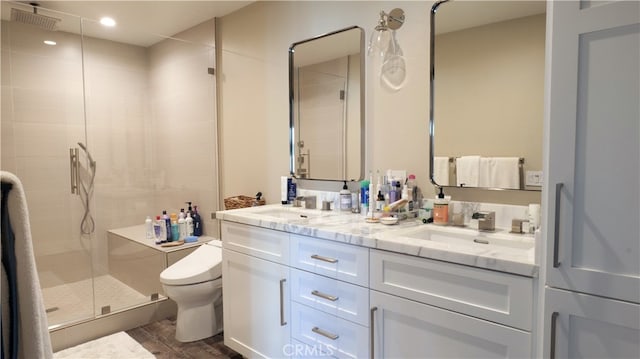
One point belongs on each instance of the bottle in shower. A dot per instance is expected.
(182, 225)
(148, 228)
(167, 221)
(197, 222)
(175, 233)
(189, 224)
(160, 230)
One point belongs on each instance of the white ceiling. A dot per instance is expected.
(138, 22)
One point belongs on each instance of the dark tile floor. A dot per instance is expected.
(159, 339)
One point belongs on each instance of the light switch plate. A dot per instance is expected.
(534, 178)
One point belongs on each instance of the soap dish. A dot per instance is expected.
(389, 220)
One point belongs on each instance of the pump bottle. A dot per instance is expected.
(441, 209)
(345, 198)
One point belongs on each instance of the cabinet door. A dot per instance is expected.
(403, 328)
(585, 326)
(256, 305)
(593, 185)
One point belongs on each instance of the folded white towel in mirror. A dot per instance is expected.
(467, 171)
(441, 170)
(499, 172)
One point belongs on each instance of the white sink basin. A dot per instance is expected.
(471, 238)
(289, 213)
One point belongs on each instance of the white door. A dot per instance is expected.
(256, 306)
(406, 329)
(586, 326)
(593, 184)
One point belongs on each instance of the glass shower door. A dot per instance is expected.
(42, 119)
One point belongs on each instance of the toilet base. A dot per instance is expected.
(197, 323)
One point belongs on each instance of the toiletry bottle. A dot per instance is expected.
(364, 195)
(167, 221)
(291, 190)
(175, 233)
(182, 225)
(345, 198)
(405, 195)
(189, 209)
(393, 193)
(148, 228)
(284, 185)
(379, 202)
(413, 192)
(441, 209)
(197, 222)
(189, 224)
(160, 230)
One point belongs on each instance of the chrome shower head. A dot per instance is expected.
(33, 18)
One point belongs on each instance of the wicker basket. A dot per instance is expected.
(241, 202)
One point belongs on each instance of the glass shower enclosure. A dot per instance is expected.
(103, 132)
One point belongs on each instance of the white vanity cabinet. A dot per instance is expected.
(592, 293)
(430, 309)
(330, 297)
(255, 291)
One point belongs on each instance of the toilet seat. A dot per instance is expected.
(203, 264)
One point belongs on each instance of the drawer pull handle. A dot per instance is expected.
(556, 227)
(325, 333)
(324, 259)
(554, 322)
(372, 334)
(325, 296)
(282, 321)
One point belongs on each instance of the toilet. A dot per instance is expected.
(195, 284)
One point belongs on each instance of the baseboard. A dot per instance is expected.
(72, 335)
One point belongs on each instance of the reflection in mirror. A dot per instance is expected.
(326, 100)
(487, 94)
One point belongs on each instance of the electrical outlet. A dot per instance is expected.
(534, 178)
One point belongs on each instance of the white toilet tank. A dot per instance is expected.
(203, 264)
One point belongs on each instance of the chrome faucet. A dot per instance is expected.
(309, 202)
(486, 220)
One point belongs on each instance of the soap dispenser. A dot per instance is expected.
(441, 209)
(345, 198)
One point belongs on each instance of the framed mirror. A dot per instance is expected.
(326, 106)
(487, 94)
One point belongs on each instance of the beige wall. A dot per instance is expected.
(254, 83)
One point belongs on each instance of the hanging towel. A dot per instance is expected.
(500, 172)
(467, 171)
(33, 334)
(441, 170)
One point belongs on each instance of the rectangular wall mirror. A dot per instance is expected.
(487, 93)
(326, 99)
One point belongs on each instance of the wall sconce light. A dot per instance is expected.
(381, 37)
(383, 43)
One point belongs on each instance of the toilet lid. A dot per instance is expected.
(201, 265)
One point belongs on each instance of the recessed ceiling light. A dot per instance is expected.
(49, 42)
(107, 21)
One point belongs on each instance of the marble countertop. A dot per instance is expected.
(498, 250)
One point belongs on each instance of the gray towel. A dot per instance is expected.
(34, 333)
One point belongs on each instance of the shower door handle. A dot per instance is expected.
(74, 172)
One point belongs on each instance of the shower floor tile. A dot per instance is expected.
(73, 301)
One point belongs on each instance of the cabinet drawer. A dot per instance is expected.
(495, 296)
(259, 242)
(336, 260)
(337, 337)
(300, 350)
(344, 300)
